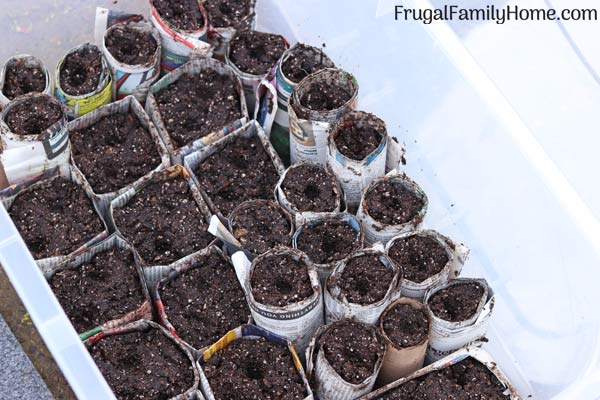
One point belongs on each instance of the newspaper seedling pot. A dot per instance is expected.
(223, 26)
(22, 74)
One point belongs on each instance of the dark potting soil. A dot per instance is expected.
(304, 60)
(392, 203)
(352, 349)
(329, 241)
(55, 219)
(256, 52)
(163, 222)
(420, 257)
(323, 96)
(114, 152)
(197, 105)
(261, 227)
(130, 45)
(254, 369)
(310, 188)
(365, 280)
(143, 366)
(466, 380)
(279, 280)
(203, 319)
(183, 14)
(357, 142)
(21, 78)
(229, 13)
(405, 325)
(33, 116)
(241, 171)
(457, 302)
(106, 288)
(80, 71)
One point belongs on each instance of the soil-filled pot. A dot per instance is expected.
(83, 80)
(405, 326)
(226, 17)
(318, 100)
(309, 187)
(461, 309)
(356, 152)
(240, 167)
(133, 51)
(23, 74)
(142, 360)
(182, 25)
(344, 359)
(196, 105)
(261, 225)
(427, 258)
(251, 363)
(362, 286)
(101, 288)
(391, 205)
(252, 55)
(284, 293)
(467, 374)
(328, 239)
(114, 147)
(163, 216)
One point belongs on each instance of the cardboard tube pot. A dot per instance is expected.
(133, 79)
(180, 45)
(355, 175)
(337, 305)
(29, 62)
(309, 128)
(401, 361)
(377, 231)
(220, 31)
(457, 254)
(447, 336)
(297, 321)
(78, 105)
(328, 383)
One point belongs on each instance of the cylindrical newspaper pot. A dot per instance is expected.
(447, 336)
(83, 104)
(309, 128)
(179, 45)
(133, 79)
(376, 231)
(145, 326)
(306, 220)
(127, 105)
(283, 200)
(29, 62)
(337, 305)
(296, 321)
(193, 67)
(474, 353)
(75, 261)
(355, 175)
(248, 332)
(328, 383)
(402, 361)
(457, 255)
(220, 32)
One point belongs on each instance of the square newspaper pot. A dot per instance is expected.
(473, 352)
(169, 173)
(128, 104)
(193, 393)
(144, 311)
(9, 194)
(158, 277)
(248, 332)
(251, 129)
(193, 67)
